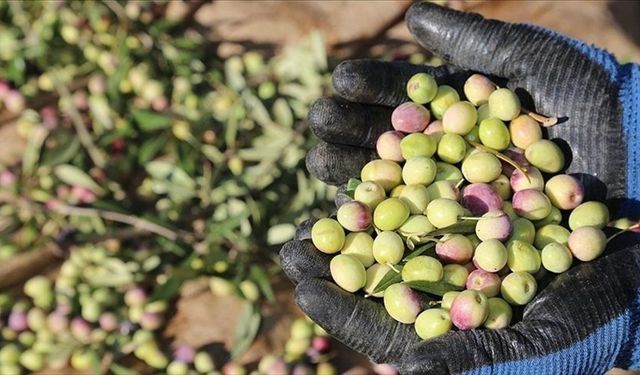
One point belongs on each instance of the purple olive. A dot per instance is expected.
(494, 225)
(435, 130)
(184, 353)
(486, 282)
(410, 117)
(531, 179)
(469, 309)
(354, 216)
(108, 322)
(455, 248)
(531, 204)
(564, 191)
(18, 321)
(388, 145)
(481, 198)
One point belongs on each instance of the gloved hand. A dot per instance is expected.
(587, 320)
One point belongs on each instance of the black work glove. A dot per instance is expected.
(587, 320)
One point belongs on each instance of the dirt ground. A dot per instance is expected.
(274, 24)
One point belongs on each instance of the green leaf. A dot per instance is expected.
(258, 111)
(352, 184)
(159, 169)
(213, 154)
(181, 178)
(461, 227)
(220, 229)
(172, 247)
(392, 277)
(150, 121)
(74, 176)
(172, 180)
(151, 263)
(15, 70)
(318, 49)
(428, 249)
(280, 233)
(438, 288)
(150, 149)
(121, 370)
(282, 113)
(100, 113)
(233, 73)
(62, 154)
(171, 288)
(32, 151)
(95, 362)
(246, 331)
(261, 278)
(168, 290)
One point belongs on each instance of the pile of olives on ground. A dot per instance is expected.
(465, 210)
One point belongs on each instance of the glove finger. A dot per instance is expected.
(342, 196)
(335, 164)
(300, 260)
(338, 121)
(378, 82)
(359, 323)
(303, 231)
(469, 41)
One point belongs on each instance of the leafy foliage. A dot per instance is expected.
(142, 141)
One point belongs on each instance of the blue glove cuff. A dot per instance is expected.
(615, 344)
(628, 79)
(629, 356)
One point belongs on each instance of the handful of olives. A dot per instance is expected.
(465, 209)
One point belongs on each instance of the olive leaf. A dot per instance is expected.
(100, 113)
(428, 249)
(233, 73)
(246, 330)
(318, 48)
(117, 369)
(74, 176)
(150, 149)
(282, 113)
(438, 288)
(390, 278)
(259, 275)
(33, 149)
(68, 149)
(500, 156)
(150, 121)
(464, 226)
(352, 184)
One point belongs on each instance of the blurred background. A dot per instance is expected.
(152, 164)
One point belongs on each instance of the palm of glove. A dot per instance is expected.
(564, 82)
